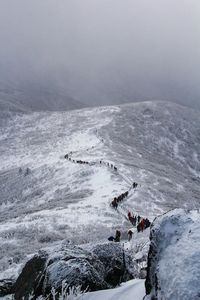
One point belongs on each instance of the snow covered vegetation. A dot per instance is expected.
(59, 173)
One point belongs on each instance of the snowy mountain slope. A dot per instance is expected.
(35, 95)
(159, 143)
(45, 198)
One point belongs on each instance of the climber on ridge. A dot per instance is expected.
(130, 235)
(116, 238)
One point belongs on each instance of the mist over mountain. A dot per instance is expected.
(72, 53)
(100, 149)
(34, 93)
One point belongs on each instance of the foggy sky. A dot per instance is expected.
(104, 51)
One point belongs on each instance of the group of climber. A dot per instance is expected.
(118, 199)
(101, 162)
(142, 223)
(108, 165)
(67, 156)
(117, 236)
(121, 197)
(80, 161)
(135, 184)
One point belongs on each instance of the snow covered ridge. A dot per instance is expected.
(173, 271)
(45, 199)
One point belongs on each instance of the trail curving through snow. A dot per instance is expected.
(119, 198)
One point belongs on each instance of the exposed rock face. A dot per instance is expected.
(6, 287)
(77, 267)
(173, 271)
(117, 263)
(97, 267)
(31, 279)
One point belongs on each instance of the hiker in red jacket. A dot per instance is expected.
(142, 223)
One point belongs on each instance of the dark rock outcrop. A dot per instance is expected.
(93, 268)
(6, 287)
(30, 281)
(116, 261)
(76, 266)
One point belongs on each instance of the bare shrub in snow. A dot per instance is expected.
(67, 293)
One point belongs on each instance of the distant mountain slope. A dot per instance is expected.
(35, 96)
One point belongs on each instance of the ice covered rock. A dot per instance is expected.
(93, 267)
(31, 278)
(116, 261)
(75, 266)
(173, 271)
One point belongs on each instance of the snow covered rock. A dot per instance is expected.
(117, 263)
(31, 278)
(75, 266)
(94, 267)
(173, 271)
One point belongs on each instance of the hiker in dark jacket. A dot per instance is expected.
(147, 223)
(138, 227)
(130, 234)
(135, 185)
(132, 219)
(117, 236)
(111, 238)
(114, 203)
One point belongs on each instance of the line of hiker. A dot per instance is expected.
(68, 156)
(118, 236)
(108, 165)
(121, 197)
(118, 199)
(142, 223)
(138, 221)
(101, 162)
(141, 226)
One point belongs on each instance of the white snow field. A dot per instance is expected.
(45, 198)
(133, 289)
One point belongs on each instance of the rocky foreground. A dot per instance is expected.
(100, 266)
(173, 271)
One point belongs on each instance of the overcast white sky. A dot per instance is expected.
(105, 51)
